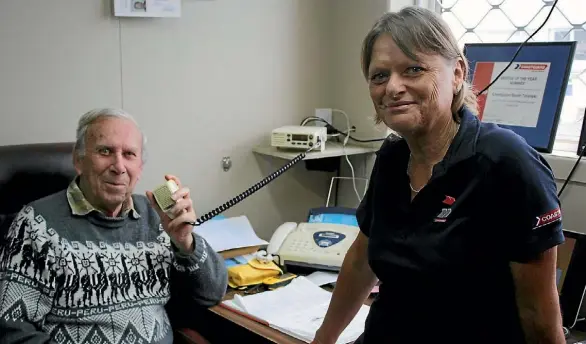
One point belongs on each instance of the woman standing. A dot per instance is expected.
(461, 219)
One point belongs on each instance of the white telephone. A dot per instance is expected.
(316, 245)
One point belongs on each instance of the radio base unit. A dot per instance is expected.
(299, 137)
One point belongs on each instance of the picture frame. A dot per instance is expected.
(528, 97)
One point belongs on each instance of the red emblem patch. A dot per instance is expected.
(449, 200)
(548, 218)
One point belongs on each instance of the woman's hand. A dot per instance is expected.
(322, 339)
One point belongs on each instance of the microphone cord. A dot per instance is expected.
(246, 193)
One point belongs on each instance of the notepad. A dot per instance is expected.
(297, 309)
(229, 233)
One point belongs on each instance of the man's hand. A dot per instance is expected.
(178, 230)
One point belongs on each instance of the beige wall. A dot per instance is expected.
(212, 83)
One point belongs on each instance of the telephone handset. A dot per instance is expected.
(162, 194)
(276, 242)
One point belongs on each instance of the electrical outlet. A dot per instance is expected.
(325, 114)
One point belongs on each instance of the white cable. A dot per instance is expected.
(310, 119)
(349, 130)
(347, 137)
(343, 133)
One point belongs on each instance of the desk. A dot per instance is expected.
(221, 325)
(262, 331)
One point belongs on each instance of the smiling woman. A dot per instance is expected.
(428, 232)
(414, 44)
(417, 82)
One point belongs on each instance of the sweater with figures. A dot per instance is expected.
(71, 278)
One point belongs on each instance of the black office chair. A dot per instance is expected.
(29, 172)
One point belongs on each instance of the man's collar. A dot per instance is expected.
(79, 205)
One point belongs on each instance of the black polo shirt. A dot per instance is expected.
(443, 258)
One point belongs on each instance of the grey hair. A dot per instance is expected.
(419, 30)
(91, 116)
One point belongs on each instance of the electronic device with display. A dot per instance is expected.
(299, 137)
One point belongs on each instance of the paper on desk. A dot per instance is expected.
(298, 310)
(320, 278)
(230, 233)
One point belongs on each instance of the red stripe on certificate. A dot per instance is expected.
(482, 77)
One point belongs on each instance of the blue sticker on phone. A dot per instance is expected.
(342, 219)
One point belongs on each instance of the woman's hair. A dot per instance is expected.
(419, 30)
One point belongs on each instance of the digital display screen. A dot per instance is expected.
(298, 137)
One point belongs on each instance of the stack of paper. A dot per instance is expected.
(322, 277)
(228, 234)
(297, 309)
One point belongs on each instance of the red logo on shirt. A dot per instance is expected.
(449, 200)
(547, 218)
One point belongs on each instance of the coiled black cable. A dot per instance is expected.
(211, 214)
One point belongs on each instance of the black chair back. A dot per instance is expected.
(29, 172)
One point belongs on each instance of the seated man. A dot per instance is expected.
(96, 263)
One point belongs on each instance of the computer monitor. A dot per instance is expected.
(571, 275)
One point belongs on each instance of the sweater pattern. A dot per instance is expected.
(85, 292)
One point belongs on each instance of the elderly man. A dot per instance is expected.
(96, 263)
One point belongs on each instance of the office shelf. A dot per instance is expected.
(332, 150)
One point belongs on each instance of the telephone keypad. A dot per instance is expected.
(305, 246)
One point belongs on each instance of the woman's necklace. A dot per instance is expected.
(409, 175)
(409, 165)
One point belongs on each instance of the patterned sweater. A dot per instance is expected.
(80, 277)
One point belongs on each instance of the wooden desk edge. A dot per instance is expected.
(259, 327)
(246, 315)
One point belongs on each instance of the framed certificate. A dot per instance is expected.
(528, 97)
